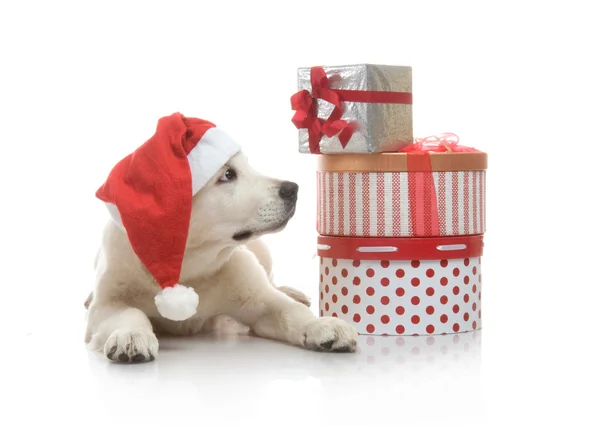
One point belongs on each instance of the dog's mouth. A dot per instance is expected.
(247, 234)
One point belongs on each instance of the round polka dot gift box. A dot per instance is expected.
(411, 286)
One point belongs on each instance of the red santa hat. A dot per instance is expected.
(149, 195)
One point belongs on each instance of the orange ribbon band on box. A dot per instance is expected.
(303, 102)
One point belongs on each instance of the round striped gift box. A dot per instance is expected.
(367, 195)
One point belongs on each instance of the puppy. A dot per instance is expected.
(227, 265)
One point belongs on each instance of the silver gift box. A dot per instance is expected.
(378, 127)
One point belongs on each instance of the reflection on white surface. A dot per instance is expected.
(213, 379)
(439, 351)
(247, 358)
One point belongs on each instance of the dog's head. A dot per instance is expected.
(239, 204)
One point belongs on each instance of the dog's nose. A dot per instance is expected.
(288, 191)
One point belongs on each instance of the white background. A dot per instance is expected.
(83, 83)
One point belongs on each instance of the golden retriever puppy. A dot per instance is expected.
(225, 263)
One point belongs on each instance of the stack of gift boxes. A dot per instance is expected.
(400, 219)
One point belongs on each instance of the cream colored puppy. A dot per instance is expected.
(225, 263)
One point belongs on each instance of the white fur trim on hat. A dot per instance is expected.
(177, 303)
(210, 154)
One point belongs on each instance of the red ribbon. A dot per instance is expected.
(444, 142)
(306, 116)
(421, 188)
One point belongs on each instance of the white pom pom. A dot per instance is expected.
(177, 303)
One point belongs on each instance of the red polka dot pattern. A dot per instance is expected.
(419, 297)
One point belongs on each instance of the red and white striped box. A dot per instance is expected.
(383, 196)
(402, 286)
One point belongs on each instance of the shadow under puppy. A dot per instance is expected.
(182, 248)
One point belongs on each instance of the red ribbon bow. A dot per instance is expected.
(444, 142)
(306, 117)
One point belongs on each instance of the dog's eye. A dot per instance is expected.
(228, 176)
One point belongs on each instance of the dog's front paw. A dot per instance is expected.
(330, 334)
(131, 346)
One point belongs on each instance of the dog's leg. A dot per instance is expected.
(88, 301)
(122, 332)
(297, 295)
(273, 315)
(261, 251)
